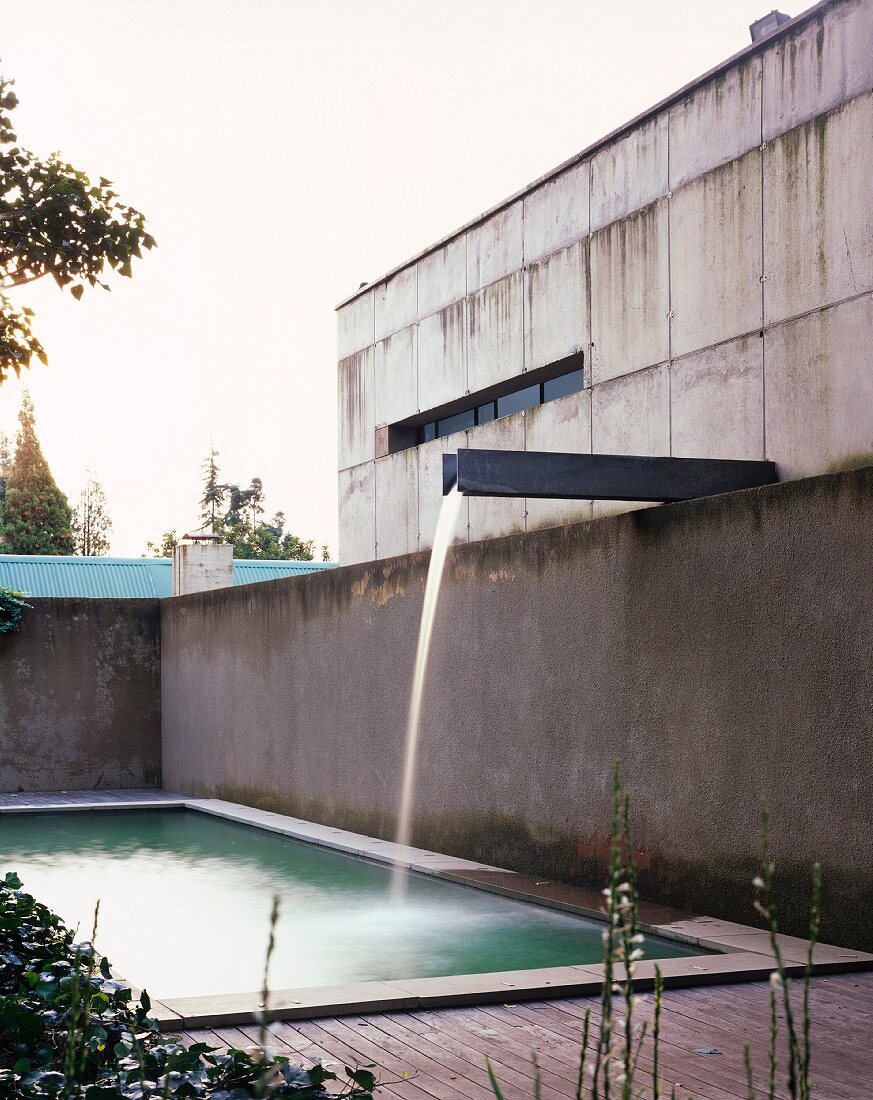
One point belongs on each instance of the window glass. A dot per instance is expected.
(521, 399)
(427, 432)
(560, 387)
(486, 413)
(456, 423)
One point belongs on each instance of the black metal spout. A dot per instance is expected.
(599, 477)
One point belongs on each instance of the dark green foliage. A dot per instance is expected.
(54, 221)
(164, 548)
(12, 607)
(234, 514)
(36, 514)
(67, 1029)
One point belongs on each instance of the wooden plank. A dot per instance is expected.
(449, 1046)
(442, 1047)
(429, 1083)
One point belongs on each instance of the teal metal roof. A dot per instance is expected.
(128, 578)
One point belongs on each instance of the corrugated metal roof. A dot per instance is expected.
(126, 578)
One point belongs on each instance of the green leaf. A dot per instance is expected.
(77, 291)
(495, 1087)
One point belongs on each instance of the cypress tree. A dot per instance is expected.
(36, 514)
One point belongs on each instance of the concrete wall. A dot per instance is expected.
(713, 261)
(80, 696)
(721, 648)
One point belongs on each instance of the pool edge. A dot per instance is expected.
(742, 952)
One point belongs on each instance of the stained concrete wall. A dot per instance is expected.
(80, 696)
(721, 648)
(713, 260)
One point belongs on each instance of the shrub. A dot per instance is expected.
(12, 607)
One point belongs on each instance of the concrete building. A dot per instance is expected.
(697, 284)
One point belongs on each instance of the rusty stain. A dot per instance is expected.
(599, 848)
(360, 586)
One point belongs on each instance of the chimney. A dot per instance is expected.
(201, 562)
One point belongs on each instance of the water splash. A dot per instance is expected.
(445, 531)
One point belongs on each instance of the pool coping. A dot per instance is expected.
(741, 952)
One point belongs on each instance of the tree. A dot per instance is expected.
(213, 491)
(54, 221)
(91, 523)
(163, 549)
(239, 523)
(36, 514)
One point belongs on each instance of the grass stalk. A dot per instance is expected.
(656, 1032)
(265, 998)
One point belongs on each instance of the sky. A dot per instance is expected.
(285, 151)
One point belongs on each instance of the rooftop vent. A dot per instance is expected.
(767, 23)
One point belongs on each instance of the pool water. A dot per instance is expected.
(185, 902)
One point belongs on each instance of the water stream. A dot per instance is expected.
(445, 532)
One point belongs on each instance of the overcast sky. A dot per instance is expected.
(284, 151)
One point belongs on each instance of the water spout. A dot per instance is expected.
(445, 531)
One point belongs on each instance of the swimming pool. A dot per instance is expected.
(185, 901)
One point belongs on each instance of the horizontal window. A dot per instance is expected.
(456, 423)
(525, 397)
(520, 400)
(562, 386)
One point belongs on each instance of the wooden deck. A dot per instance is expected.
(445, 1050)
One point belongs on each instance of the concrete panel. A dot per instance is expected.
(630, 303)
(430, 488)
(355, 325)
(396, 376)
(629, 173)
(818, 190)
(396, 302)
(556, 214)
(357, 513)
(397, 504)
(495, 333)
(442, 363)
(493, 516)
(562, 425)
(556, 299)
(717, 401)
(715, 255)
(631, 416)
(80, 696)
(356, 421)
(819, 390)
(442, 277)
(495, 248)
(717, 122)
(821, 65)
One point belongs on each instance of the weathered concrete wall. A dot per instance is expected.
(721, 648)
(80, 696)
(713, 261)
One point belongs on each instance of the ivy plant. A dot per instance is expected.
(12, 607)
